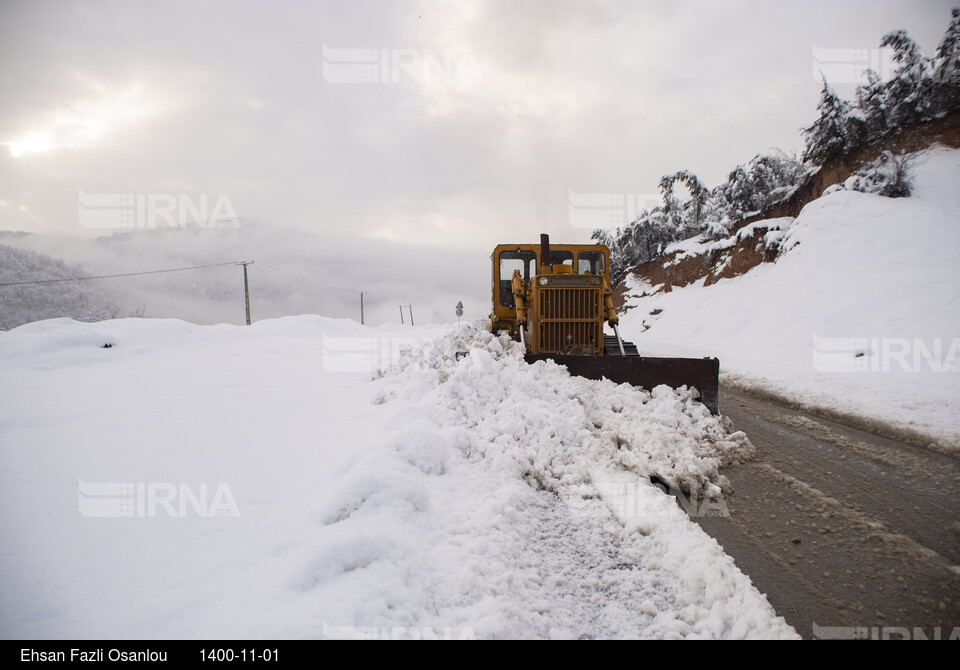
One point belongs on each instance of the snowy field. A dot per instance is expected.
(268, 482)
(861, 315)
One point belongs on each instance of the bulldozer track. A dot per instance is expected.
(612, 348)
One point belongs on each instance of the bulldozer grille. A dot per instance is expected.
(570, 320)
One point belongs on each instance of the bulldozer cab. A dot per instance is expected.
(589, 261)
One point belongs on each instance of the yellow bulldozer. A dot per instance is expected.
(555, 300)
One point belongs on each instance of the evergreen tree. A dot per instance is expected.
(872, 103)
(947, 67)
(768, 179)
(911, 91)
(687, 217)
(835, 133)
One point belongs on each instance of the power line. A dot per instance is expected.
(296, 280)
(266, 269)
(283, 274)
(310, 283)
(302, 282)
(126, 274)
(315, 282)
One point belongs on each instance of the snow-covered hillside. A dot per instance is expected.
(265, 482)
(21, 304)
(860, 314)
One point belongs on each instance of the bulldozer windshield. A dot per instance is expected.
(525, 262)
(590, 262)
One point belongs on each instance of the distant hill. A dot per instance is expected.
(32, 302)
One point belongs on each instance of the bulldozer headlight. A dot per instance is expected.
(543, 281)
(595, 281)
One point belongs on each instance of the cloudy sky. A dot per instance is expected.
(429, 124)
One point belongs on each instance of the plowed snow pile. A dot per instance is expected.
(452, 496)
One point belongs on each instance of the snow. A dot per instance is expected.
(636, 287)
(696, 246)
(307, 477)
(701, 244)
(776, 230)
(860, 315)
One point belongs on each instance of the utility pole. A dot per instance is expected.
(361, 308)
(401, 315)
(246, 287)
(410, 307)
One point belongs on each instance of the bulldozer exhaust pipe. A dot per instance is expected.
(545, 251)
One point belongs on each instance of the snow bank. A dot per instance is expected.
(860, 315)
(540, 423)
(518, 439)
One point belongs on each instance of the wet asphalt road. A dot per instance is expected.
(847, 533)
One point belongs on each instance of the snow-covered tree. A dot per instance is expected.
(641, 241)
(872, 101)
(911, 90)
(888, 176)
(947, 67)
(837, 132)
(765, 181)
(651, 234)
(687, 216)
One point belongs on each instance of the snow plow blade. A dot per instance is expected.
(647, 372)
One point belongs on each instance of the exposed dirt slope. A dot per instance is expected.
(744, 252)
